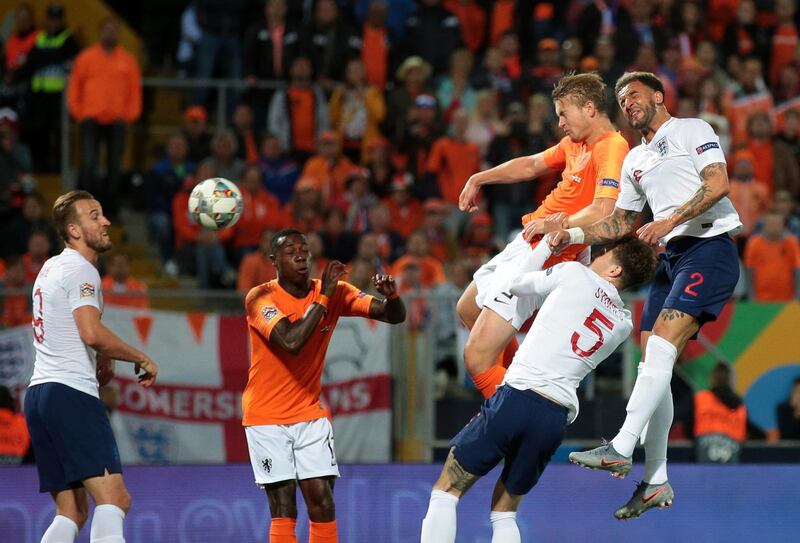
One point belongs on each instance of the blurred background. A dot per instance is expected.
(358, 121)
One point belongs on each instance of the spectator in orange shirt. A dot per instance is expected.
(356, 109)
(477, 240)
(453, 159)
(20, 42)
(307, 206)
(16, 307)
(405, 210)
(120, 288)
(290, 322)
(444, 246)
(750, 198)
(375, 45)
(299, 114)
(776, 166)
(38, 252)
(784, 38)
(246, 132)
(418, 253)
(772, 262)
(14, 437)
(260, 211)
(104, 95)
(472, 19)
(329, 166)
(256, 268)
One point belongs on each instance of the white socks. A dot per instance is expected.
(655, 445)
(439, 524)
(107, 524)
(504, 527)
(61, 530)
(650, 387)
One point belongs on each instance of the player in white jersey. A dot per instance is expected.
(70, 431)
(679, 170)
(581, 321)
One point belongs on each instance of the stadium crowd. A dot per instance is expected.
(386, 110)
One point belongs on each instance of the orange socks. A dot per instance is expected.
(488, 381)
(323, 532)
(281, 530)
(508, 354)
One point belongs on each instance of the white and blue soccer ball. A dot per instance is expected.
(215, 203)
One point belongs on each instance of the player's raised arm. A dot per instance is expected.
(391, 309)
(292, 336)
(97, 336)
(515, 170)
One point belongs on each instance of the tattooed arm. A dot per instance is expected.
(610, 228)
(714, 187)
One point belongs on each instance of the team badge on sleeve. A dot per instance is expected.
(269, 313)
(87, 290)
(706, 146)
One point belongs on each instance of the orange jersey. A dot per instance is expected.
(283, 388)
(589, 172)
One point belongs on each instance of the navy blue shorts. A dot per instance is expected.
(696, 276)
(71, 436)
(519, 426)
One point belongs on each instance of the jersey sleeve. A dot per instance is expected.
(702, 144)
(554, 157)
(354, 302)
(539, 283)
(83, 287)
(608, 156)
(631, 195)
(263, 315)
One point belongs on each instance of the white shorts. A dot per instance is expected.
(285, 452)
(492, 279)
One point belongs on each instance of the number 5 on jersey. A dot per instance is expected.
(591, 323)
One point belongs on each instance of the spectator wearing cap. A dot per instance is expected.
(422, 129)
(390, 243)
(299, 113)
(356, 110)
(46, 68)
(453, 159)
(15, 164)
(413, 74)
(260, 211)
(455, 90)
(163, 182)
(772, 262)
(220, 46)
(120, 288)
(195, 130)
(257, 268)
(356, 200)
(405, 210)
(329, 166)
(548, 70)
(443, 245)
(223, 156)
(472, 21)
(432, 33)
(375, 38)
(278, 171)
(330, 41)
(104, 95)
(749, 197)
(776, 166)
(339, 243)
(20, 42)
(379, 165)
(269, 47)
(307, 207)
(418, 252)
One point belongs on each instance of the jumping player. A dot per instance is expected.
(590, 156)
(679, 170)
(291, 321)
(72, 439)
(581, 321)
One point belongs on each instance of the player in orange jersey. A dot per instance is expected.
(290, 321)
(590, 156)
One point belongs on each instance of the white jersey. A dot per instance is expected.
(66, 282)
(665, 173)
(581, 322)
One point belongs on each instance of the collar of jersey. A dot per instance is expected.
(660, 128)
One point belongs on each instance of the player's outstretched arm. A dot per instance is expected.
(713, 188)
(97, 336)
(611, 228)
(391, 309)
(515, 170)
(292, 336)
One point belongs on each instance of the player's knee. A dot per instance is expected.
(124, 500)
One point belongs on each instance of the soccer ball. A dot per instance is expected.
(215, 203)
